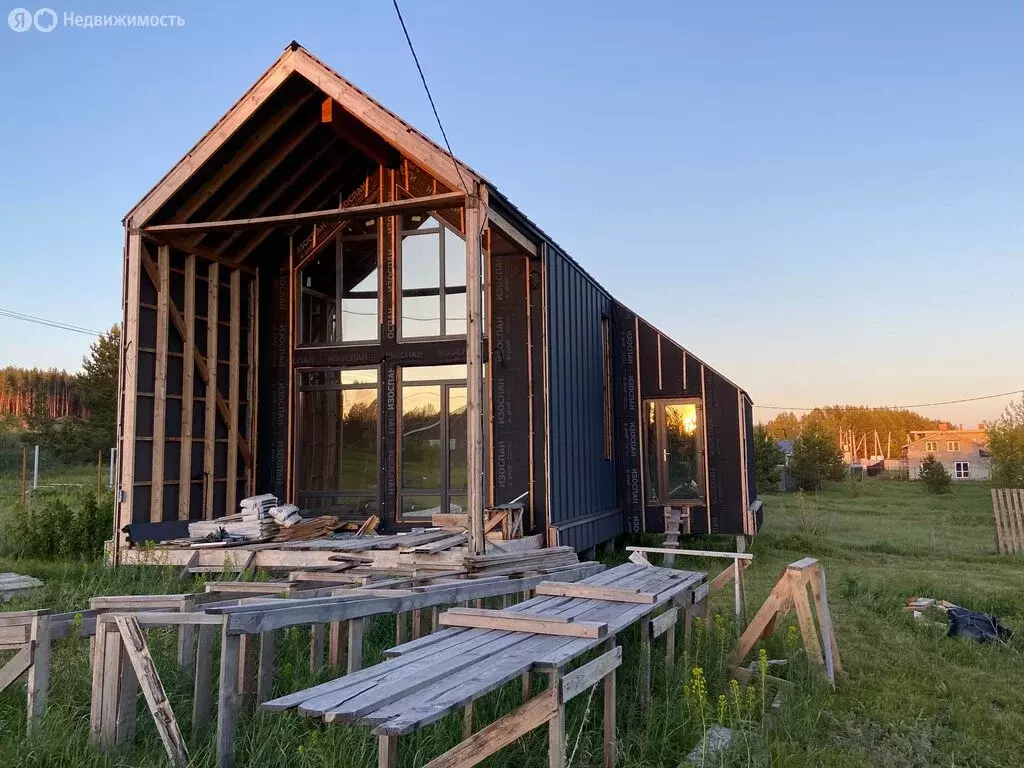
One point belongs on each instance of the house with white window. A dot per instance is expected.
(964, 452)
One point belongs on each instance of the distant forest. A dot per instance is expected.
(892, 426)
(70, 415)
(26, 392)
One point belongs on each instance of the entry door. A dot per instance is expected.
(674, 452)
(433, 448)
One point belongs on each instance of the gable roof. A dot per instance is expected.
(296, 60)
(975, 436)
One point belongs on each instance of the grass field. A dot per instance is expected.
(912, 697)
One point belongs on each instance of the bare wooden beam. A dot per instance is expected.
(183, 244)
(187, 390)
(296, 201)
(233, 384)
(212, 393)
(475, 222)
(358, 135)
(258, 175)
(163, 297)
(446, 200)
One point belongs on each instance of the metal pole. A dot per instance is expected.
(474, 373)
(110, 479)
(35, 470)
(24, 472)
(99, 473)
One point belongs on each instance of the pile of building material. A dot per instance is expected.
(14, 584)
(255, 522)
(286, 515)
(306, 530)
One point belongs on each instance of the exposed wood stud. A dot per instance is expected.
(163, 295)
(212, 354)
(233, 394)
(187, 390)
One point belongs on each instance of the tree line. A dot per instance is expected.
(70, 415)
(835, 420)
(32, 391)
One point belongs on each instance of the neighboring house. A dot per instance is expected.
(963, 452)
(786, 480)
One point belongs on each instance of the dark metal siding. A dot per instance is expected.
(725, 471)
(582, 480)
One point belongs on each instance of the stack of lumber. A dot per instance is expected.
(516, 562)
(314, 528)
(13, 584)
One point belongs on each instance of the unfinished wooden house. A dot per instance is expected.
(321, 303)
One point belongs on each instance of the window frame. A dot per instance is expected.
(339, 261)
(659, 405)
(301, 389)
(444, 491)
(931, 446)
(962, 470)
(953, 446)
(442, 289)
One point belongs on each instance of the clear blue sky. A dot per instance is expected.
(823, 200)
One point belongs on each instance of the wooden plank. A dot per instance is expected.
(114, 662)
(587, 591)
(317, 636)
(409, 205)
(233, 393)
(778, 602)
(227, 700)
(204, 679)
(590, 674)
(474, 211)
(500, 733)
(819, 589)
(163, 294)
(662, 623)
(812, 646)
(153, 690)
(212, 353)
(129, 377)
(692, 552)
(265, 673)
(387, 751)
(519, 615)
(556, 725)
(592, 630)
(15, 635)
(802, 565)
(998, 521)
(610, 743)
(187, 389)
(337, 640)
(355, 644)
(645, 664)
(15, 667)
(98, 666)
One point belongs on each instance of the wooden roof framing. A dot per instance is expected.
(300, 128)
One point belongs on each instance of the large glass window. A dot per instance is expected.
(674, 454)
(342, 276)
(337, 467)
(433, 278)
(433, 449)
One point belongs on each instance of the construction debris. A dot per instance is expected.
(716, 740)
(13, 584)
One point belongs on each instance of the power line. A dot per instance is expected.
(899, 407)
(50, 323)
(423, 79)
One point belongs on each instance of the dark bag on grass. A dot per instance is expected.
(977, 626)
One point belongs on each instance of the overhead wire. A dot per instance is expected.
(49, 323)
(430, 98)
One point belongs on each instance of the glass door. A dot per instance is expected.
(433, 448)
(673, 452)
